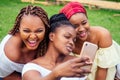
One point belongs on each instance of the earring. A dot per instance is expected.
(51, 39)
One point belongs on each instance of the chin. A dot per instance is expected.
(67, 53)
(32, 48)
(83, 38)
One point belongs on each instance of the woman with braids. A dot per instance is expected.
(57, 64)
(25, 41)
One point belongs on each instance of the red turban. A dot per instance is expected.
(72, 8)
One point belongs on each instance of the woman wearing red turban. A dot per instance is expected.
(106, 57)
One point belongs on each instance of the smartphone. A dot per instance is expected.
(88, 50)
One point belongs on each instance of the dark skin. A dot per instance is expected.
(96, 35)
(57, 58)
(31, 31)
(13, 76)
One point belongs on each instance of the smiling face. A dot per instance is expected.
(82, 25)
(32, 31)
(63, 39)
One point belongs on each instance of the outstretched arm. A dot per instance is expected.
(70, 68)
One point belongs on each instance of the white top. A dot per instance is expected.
(118, 71)
(106, 58)
(44, 71)
(6, 65)
(118, 65)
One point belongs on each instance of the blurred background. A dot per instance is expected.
(99, 13)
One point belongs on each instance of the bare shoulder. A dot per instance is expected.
(12, 47)
(42, 61)
(103, 35)
(101, 30)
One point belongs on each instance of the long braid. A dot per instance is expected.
(35, 11)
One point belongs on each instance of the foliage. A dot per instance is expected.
(114, 0)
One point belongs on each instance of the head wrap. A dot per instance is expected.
(72, 8)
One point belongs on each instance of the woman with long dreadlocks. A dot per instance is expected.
(24, 42)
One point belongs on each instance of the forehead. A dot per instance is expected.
(78, 17)
(66, 29)
(30, 20)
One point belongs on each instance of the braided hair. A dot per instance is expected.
(35, 11)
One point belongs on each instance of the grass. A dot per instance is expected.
(102, 17)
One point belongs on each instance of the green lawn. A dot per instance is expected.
(103, 17)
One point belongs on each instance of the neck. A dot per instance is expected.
(28, 55)
(53, 56)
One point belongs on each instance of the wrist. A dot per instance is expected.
(56, 75)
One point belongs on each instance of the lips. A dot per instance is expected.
(70, 49)
(82, 34)
(32, 43)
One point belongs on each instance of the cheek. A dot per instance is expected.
(24, 35)
(62, 42)
(41, 35)
(58, 41)
(76, 29)
(87, 25)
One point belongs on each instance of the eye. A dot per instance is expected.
(76, 25)
(84, 22)
(39, 30)
(67, 36)
(26, 30)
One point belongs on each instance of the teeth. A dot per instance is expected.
(32, 42)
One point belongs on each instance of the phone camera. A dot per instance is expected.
(86, 44)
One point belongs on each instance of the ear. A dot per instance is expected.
(51, 36)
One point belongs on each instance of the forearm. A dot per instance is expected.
(101, 74)
(13, 76)
(70, 68)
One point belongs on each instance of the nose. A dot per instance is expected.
(72, 43)
(80, 28)
(33, 36)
